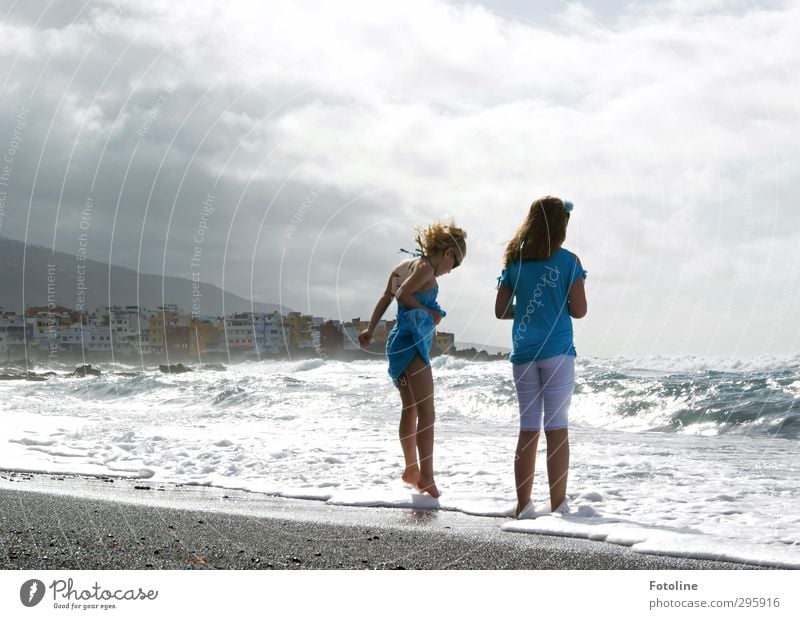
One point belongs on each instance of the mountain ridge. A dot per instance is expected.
(64, 279)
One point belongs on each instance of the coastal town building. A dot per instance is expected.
(331, 338)
(356, 326)
(204, 337)
(168, 331)
(381, 333)
(14, 332)
(125, 325)
(124, 331)
(300, 329)
(351, 330)
(177, 340)
(271, 334)
(52, 328)
(444, 342)
(239, 335)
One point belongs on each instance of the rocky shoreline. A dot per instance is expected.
(88, 369)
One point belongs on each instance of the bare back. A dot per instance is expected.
(403, 272)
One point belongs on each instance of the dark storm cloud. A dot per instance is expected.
(128, 144)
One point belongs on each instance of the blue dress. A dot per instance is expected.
(412, 333)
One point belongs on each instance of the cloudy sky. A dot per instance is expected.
(301, 142)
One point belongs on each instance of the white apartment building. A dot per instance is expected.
(127, 325)
(271, 335)
(12, 336)
(257, 333)
(238, 332)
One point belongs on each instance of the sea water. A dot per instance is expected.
(692, 457)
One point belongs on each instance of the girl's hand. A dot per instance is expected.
(365, 337)
(437, 317)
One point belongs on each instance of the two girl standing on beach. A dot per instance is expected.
(547, 283)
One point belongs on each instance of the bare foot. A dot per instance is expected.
(429, 487)
(411, 475)
(526, 512)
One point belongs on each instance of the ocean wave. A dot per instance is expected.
(446, 362)
(706, 401)
(307, 364)
(688, 364)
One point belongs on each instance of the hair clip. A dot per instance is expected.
(568, 206)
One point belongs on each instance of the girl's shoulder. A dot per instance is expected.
(407, 268)
(564, 253)
(401, 273)
(573, 263)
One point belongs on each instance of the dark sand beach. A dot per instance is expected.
(77, 522)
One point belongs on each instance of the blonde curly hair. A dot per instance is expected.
(440, 235)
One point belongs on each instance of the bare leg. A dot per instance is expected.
(557, 465)
(524, 466)
(408, 432)
(420, 382)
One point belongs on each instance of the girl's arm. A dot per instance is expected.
(504, 303)
(421, 276)
(577, 297)
(385, 300)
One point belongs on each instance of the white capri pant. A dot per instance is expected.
(544, 391)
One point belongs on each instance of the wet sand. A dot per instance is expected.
(77, 522)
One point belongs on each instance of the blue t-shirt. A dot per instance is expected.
(542, 324)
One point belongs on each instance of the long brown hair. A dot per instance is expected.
(542, 232)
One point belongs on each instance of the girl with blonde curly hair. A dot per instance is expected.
(442, 247)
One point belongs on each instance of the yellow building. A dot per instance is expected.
(381, 332)
(203, 336)
(299, 329)
(158, 324)
(445, 343)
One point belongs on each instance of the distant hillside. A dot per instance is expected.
(65, 284)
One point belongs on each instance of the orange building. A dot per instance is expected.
(203, 336)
